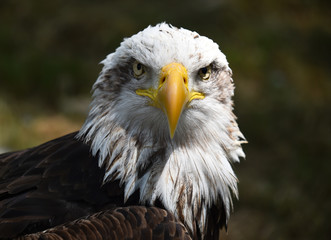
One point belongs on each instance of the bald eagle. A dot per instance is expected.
(153, 157)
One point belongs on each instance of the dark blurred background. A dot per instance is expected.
(278, 50)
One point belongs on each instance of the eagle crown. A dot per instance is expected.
(190, 171)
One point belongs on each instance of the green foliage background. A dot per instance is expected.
(278, 50)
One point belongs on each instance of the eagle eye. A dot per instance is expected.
(205, 72)
(138, 69)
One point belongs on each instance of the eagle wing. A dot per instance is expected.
(51, 184)
(134, 222)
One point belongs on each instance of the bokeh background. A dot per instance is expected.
(279, 52)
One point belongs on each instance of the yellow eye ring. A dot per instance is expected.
(205, 73)
(138, 69)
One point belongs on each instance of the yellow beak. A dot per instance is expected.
(172, 94)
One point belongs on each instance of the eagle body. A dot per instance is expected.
(157, 147)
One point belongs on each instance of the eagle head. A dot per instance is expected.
(161, 122)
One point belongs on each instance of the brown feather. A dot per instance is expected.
(134, 222)
(50, 184)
